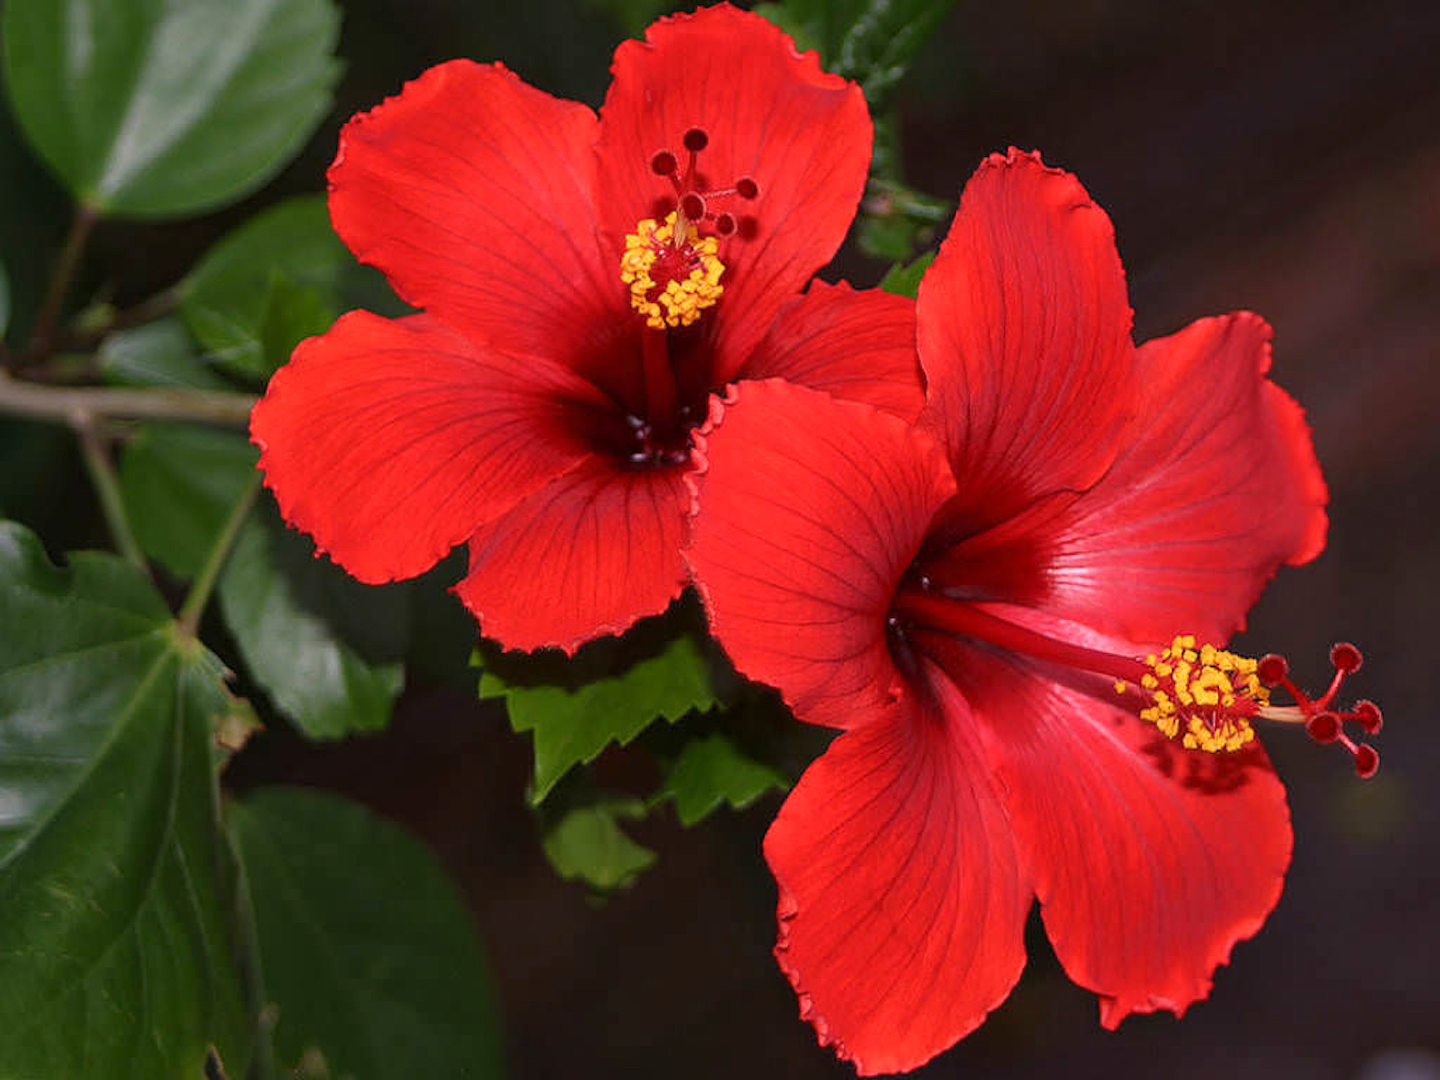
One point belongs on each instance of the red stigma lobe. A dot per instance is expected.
(693, 203)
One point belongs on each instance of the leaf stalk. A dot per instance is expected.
(188, 620)
(107, 487)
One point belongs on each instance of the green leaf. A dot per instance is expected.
(160, 353)
(870, 41)
(896, 221)
(367, 948)
(713, 770)
(179, 483)
(162, 108)
(311, 636)
(588, 844)
(883, 38)
(573, 723)
(905, 280)
(874, 42)
(313, 676)
(4, 301)
(121, 949)
(802, 23)
(227, 298)
(293, 312)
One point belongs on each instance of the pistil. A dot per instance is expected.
(673, 270)
(968, 621)
(660, 396)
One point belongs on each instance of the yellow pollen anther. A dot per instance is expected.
(670, 283)
(1201, 694)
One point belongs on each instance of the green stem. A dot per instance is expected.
(107, 487)
(156, 307)
(199, 595)
(49, 315)
(65, 402)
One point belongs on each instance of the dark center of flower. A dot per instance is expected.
(1204, 696)
(648, 448)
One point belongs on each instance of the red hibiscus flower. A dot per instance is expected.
(999, 618)
(585, 284)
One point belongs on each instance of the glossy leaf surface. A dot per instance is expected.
(313, 675)
(119, 945)
(158, 108)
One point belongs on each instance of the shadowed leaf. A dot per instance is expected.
(587, 844)
(323, 646)
(160, 353)
(574, 723)
(712, 770)
(228, 299)
(367, 948)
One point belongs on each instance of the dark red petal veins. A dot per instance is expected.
(585, 555)
(390, 441)
(855, 345)
(1218, 487)
(809, 511)
(799, 137)
(1150, 861)
(472, 192)
(1024, 336)
(902, 901)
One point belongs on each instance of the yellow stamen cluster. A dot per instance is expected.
(683, 297)
(1199, 686)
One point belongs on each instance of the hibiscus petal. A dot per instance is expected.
(389, 441)
(1218, 486)
(810, 510)
(902, 907)
(1150, 861)
(1024, 334)
(854, 345)
(587, 554)
(771, 115)
(472, 192)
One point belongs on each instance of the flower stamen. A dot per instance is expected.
(1215, 694)
(1204, 696)
(672, 271)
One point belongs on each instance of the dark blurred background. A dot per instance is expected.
(1282, 157)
